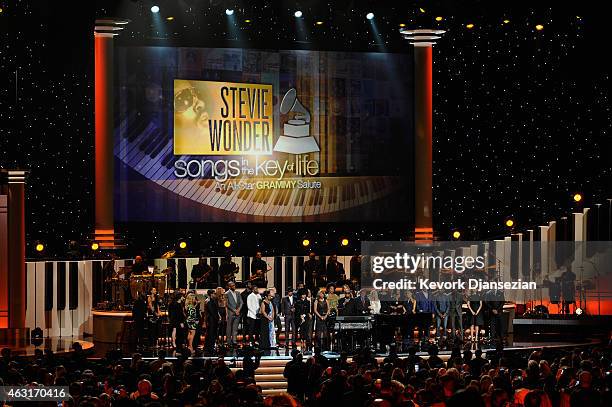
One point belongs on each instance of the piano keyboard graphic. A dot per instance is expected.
(147, 149)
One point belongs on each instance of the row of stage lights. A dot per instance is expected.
(182, 244)
(369, 16)
(509, 221)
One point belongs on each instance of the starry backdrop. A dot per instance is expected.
(522, 109)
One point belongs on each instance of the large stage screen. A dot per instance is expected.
(244, 135)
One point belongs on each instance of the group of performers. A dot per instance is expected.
(255, 314)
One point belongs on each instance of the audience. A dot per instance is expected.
(544, 378)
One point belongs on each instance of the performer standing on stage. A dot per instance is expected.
(222, 307)
(227, 270)
(344, 302)
(475, 317)
(312, 271)
(375, 305)
(568, 288)
(495, 303)
(201, 275)
(321, 310)
(335, 270)
(259, 270)
(244, 311)
(176, 318)
(234, 308)
(192, 319)
(332, 299)
(253, 301)
(425, 310)
(212, 324)
(303, 312)
(153, 316)
(362, 303)
(441, 308)
(267, 336)
(288, 311)
(456, 314)
(397, 306)
(139, 316)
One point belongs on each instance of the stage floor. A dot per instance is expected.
(60, 346)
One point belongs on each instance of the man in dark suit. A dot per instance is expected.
(335, 271)
(312, 271)
(212, 324)
(288, 311)
(362, 303)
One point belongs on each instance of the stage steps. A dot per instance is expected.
(269, 375)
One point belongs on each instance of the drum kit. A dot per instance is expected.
(137, 283)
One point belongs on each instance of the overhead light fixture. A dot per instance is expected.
(469, 26)
(182, 244)
(39, 247)
(247, 21)
(509, 222)
(439, 18)
(577, 197)
(319, 23)
(154, 9)
(227, 244)
(305, 242)
(456, 234)
(539, 27)
(298, 14)
(229, 11)
(95, 246)
(344, 242)
(370, 15)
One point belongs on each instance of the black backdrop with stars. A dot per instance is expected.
(521, 116)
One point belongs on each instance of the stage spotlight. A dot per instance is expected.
(439, 18)
(39, 247)
(402, 25)
(344, 242)
(319, 23)
(422, 10)
(469, 26)
(170, 18)
(577, 197)
(182, 244)
(154, 9)
(305, 242)
(456, 234)
(509, 222)
(370, 15)
(298, 14)
(229, 12)
(247, 21)
(227, 244)
(539, 27)
(579, 311)
(95, 246)
(506, 21)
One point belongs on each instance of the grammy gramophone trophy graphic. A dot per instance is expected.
(296, 138)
